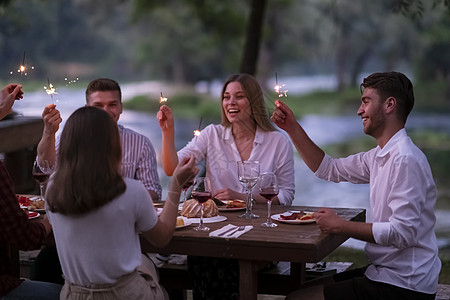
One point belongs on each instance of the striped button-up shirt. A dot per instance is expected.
(139, 159)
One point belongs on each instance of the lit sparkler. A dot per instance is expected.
(162, 99)
(279, 88)
(23, 68)
(197, 132)
(51, 90)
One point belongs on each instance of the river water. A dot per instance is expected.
(309, 190)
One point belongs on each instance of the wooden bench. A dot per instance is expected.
(274, 281)
(176, 278)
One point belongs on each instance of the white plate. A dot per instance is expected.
(221, 208)
(33, 217)
(186, 221)
(277, 217)
(208, 220)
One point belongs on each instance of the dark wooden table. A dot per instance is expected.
(298, 244)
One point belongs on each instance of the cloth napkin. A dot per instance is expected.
(230, 234)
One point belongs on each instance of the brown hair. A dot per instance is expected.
(87, 175)
(102, 85)
(255, 96)
(393, 84)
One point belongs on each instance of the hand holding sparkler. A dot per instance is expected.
(15, 89)
(9, 94)
(283, 117)
(165, 119)
(52, 119)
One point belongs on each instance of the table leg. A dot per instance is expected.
(298, 274)
(248, 280)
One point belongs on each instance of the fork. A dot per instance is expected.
(240, 228)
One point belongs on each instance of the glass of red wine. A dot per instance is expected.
(41, 173)
(201, 192)
(186, 186)
(268, 188)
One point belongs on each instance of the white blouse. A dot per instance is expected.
(272, 149)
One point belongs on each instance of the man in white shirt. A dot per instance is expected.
(401, 242)
(138, 154)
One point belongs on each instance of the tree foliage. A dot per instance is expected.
(190, 40)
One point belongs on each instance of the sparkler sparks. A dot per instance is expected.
(279, 88)
(197, 132)
(51, 90)
(162, 99)
(23, 68)
(71, 81)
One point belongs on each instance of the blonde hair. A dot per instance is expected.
(255, 96)
(90, 154)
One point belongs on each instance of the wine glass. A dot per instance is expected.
(201, 192)
(186, 186)
(41, 172)
(248, 174)
(268, 188)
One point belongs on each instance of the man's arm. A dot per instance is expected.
(46, 147)
(284, 118)
(330, 222)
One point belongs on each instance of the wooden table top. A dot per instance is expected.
(287, 242)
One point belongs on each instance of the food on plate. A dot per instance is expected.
(24, 201)
(234, 204)
(36, 205)
(32, 214)
(298, 216)
(180, 221)
(191, 209)
(307, 216)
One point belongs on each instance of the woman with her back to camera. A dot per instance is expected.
(97, 215)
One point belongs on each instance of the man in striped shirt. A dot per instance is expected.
(138, 154)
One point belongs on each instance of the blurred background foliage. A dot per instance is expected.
(186, 41)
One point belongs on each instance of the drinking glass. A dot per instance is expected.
(201, 192)
(186, 187)
(268, 188)
(248, 174)
(41, 172)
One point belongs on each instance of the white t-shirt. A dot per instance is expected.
(272, 149)
(402, 201)
(103, 245)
